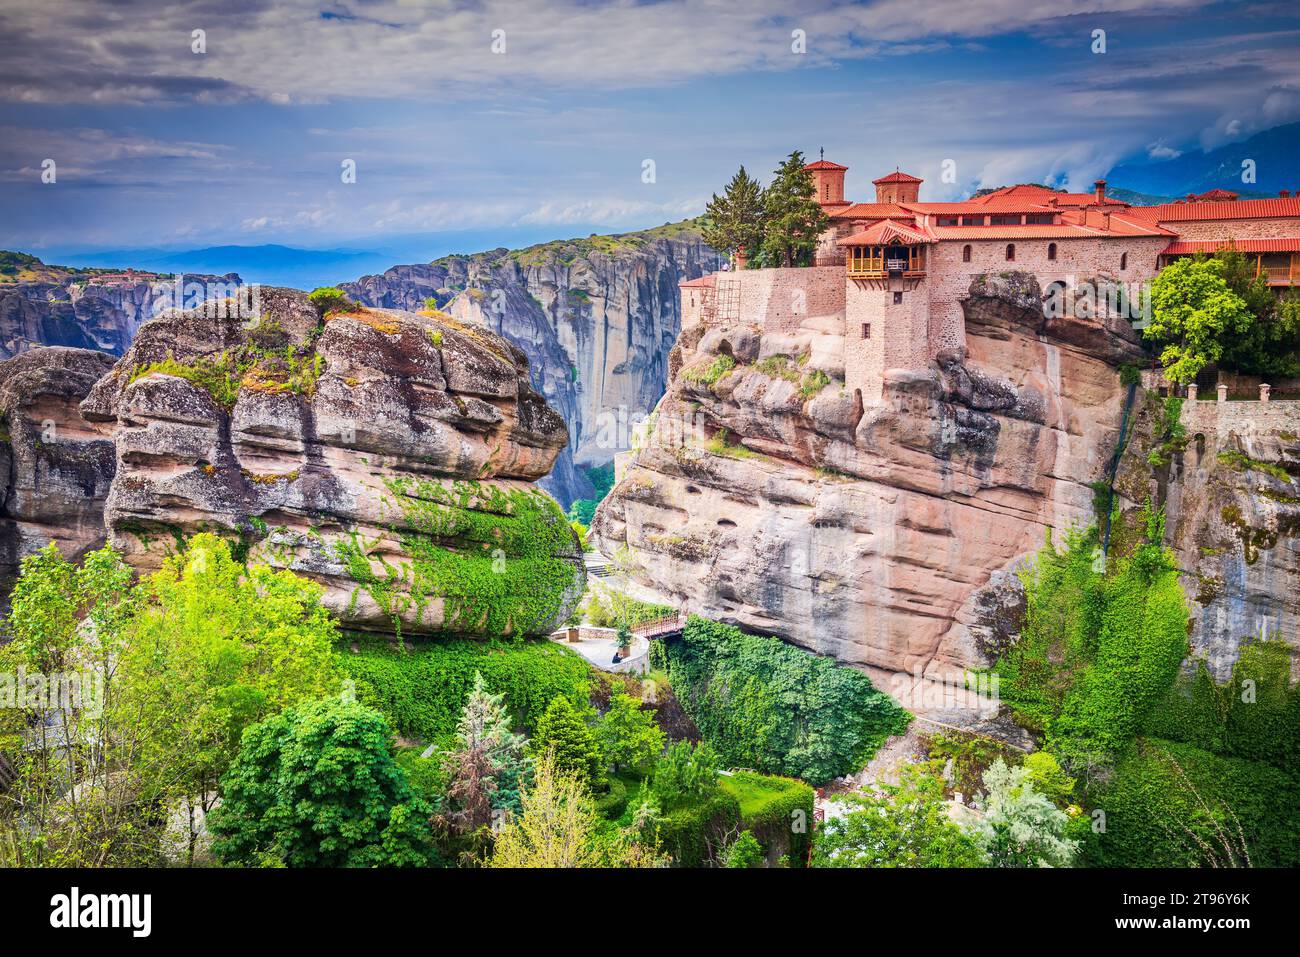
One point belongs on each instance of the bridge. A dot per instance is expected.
(662, 627)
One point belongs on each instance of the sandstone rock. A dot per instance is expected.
(596, 319)
(386, 454)
(55, 466)
(885, 536)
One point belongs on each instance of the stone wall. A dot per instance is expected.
(1192, 230)
(779, 300)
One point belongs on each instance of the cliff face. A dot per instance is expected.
(766, 496)
(72, 309)
(596, 319)
(55, 467)
(1231, 491)
(388, 455)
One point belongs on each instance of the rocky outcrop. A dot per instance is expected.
(596, 318)
(55, 466)
(386, 454)
(768, 497)
(76, 309)
(1229, 484)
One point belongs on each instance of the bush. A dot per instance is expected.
(423, 689)
(695, 834)
(779, 811)
(330, 299)
(767, 705)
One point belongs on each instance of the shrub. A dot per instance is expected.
(767, 705)
(330, 299)
(318, 786)
(423, 689)
(710, 374)
(745, 852)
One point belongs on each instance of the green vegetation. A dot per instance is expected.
(767, 705)
(506, 576)
(318, 786)
(1097, 649)
(903, 825)
(565, 252)
(563, 737)
(1239, 462)
(330, 299)
(423, 689)
(710, 374)
(777, 810)
(628, 737)
(610, 608)
(813, 383)
(582, 510)
(1215, 310)
(1179, 770)
(1170, 433)
(776, 226)
(734, 221)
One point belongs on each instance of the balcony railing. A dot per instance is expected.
(1281, 275)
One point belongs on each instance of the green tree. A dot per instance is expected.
(903, 825)
(628, 735)
(317, 786)
(792, 219)
(745, 851)
(686, 774)
(488, 767)
(559, 827)
(213, 648)
(1021, 827)
(75, 797)
(735, 220)
(1194, 313)
(1270, 345)
(563, 734)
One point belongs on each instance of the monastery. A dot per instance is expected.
(889, 275)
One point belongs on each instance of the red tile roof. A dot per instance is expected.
(1286, 244)
(886, 231)
(897, 177)
(709, 280)
(1235, 209)
(872, 211)
(824, 164)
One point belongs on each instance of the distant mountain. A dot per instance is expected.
(269, 264)
(1274, 153)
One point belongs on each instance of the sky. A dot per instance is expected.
(563, 117)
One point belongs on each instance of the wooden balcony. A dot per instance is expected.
(1288, 275)
(868, 262)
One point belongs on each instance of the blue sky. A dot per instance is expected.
(158, 146)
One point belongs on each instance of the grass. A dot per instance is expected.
(1244, 463)
(718, 445)
(711, 374)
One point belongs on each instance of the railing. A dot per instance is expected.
(1280, 274)
(662, 625)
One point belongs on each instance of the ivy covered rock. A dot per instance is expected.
(388, 455)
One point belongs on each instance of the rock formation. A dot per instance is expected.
(55, 466)
(385, 454)
(596, 318)
(1230, 487)
(81, 309)
(768, 497)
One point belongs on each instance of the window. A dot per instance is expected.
(1011, 252)
(1005, 220)
(898, 298)
(947, 221)
(1123, 262)
(866, 330)
(826, 191)
(965, 253)
(1051, 251)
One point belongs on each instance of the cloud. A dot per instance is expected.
(1159, 151)
(291, 50)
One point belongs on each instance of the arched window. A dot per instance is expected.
(1011, 252)
(1123, 261)
(1051, 251)
(965, 253)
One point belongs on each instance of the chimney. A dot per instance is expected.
(1284, 193)
(1100, 187)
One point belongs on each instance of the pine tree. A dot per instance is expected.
(735, 220)
(488, 767)
(792, 220)
(564, 734)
